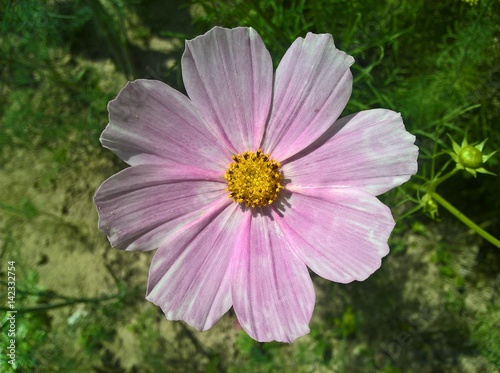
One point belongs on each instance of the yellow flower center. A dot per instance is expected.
(254, 179)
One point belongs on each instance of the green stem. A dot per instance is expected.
(45, 307)
(114, 36)
(440, 180)
(194, 340)
(65, 300)
(432, 185)
(464, 219)
(408, 213)
(270, 23)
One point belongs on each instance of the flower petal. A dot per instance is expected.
(370, 150)
(272, 291)
(149, 122)
(141, 205)
(339, 233)
(312, 86)
(228, 74)
(189, 276)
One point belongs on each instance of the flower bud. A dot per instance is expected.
(471, 157)
(430, 206)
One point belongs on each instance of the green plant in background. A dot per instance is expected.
(31, 331)
(434, 61)
(465, 157)
(443, 86)
(35, 346)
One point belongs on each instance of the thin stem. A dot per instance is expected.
(270, 23)
(443, 168)
(433, 158)
(417, 187)
(430, 186)
(408, 213)
(71, 302)
(65, 300)
(464, 219)
(116, 39)
(6, 11)
(440, 180)
(196, 343)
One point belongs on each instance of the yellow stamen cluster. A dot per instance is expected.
(254, 179)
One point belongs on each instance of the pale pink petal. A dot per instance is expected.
(370, 150)
(141, 205)
(229, 74)
(272, 291)
(190, 276)
(312, 86)
(339, 233)
(149, 122)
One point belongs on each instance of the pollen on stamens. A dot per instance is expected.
(254, 179)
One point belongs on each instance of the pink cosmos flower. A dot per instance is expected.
(251, 180)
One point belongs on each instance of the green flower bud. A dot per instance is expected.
(430, 206)
(471, 157)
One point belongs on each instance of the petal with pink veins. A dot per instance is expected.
(312, 86)
(190, 276)
(229, 75)
(149, 122)
(370, 150)
(141, 205)
(339, 233)
(272, 291)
